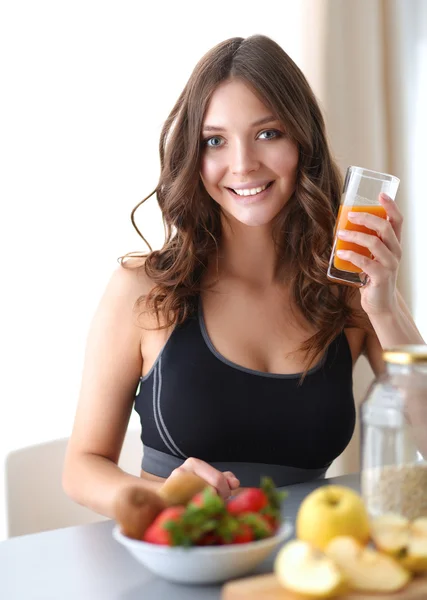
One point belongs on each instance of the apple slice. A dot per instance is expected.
(366, 569)
(405, 540)
(303, 569)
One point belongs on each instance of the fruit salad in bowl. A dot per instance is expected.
(200, 538)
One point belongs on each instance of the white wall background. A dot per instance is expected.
(86, 86)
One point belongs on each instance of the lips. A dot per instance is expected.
(251, 190)
(251, 199)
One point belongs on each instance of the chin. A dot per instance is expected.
(253, 218)
(255, 222)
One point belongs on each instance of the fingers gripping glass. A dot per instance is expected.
(360, 194)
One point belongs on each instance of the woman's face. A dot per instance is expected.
(249, 165)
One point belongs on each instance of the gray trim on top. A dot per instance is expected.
(161, 426)
(159, 356)
(245, 369)
(249, 473)
(231, 364)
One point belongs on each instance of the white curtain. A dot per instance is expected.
(367, 62)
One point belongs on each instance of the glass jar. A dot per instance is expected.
(394, 436)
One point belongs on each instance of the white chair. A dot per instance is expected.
(35, 500)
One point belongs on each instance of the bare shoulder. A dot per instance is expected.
(112, 365)
(120, 320)
(129, 284)
(130, 278)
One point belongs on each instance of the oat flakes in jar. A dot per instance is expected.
(394, 436)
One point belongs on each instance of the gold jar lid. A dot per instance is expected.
(406, 354)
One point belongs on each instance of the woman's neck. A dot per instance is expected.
(246, 253)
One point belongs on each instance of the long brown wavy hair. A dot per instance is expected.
(302, 231)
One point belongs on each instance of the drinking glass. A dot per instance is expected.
(360, 194)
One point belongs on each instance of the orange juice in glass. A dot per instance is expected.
(360, 194)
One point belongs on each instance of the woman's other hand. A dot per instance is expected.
(378, 296)
(224, 482)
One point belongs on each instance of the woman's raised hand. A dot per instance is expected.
(378, 296)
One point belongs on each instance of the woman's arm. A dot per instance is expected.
(112, 368)
(390, 330)
(390, 318)
(396, 327)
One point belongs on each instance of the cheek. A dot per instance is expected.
(288, 175)
(285, 162)
(287, 166)
(210, 170)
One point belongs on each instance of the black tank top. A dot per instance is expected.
(194, 402)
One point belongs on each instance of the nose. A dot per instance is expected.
(243, 159)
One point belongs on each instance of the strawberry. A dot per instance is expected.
(272, 520)
(209, 539)
(227, 527)
(243, 535)
(272, 511)
(258, 524)
(274, 497)
(206, 520)
(249, 500)
(242, 528)
(197, 500)
(165, 530)
(207, 501)
(190, 525)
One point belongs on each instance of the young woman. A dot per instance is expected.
(232, 345)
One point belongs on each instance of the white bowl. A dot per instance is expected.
(205, 564)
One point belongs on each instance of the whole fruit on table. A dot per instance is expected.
(135, 508)
(331, 511)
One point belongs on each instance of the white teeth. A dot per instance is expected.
(251, 192)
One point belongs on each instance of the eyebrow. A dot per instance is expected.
(263, 121)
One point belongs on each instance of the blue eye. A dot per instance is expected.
(213, 142)
(269, 134)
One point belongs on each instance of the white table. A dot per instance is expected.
(86, 563)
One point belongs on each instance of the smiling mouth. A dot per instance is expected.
(252, 191)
